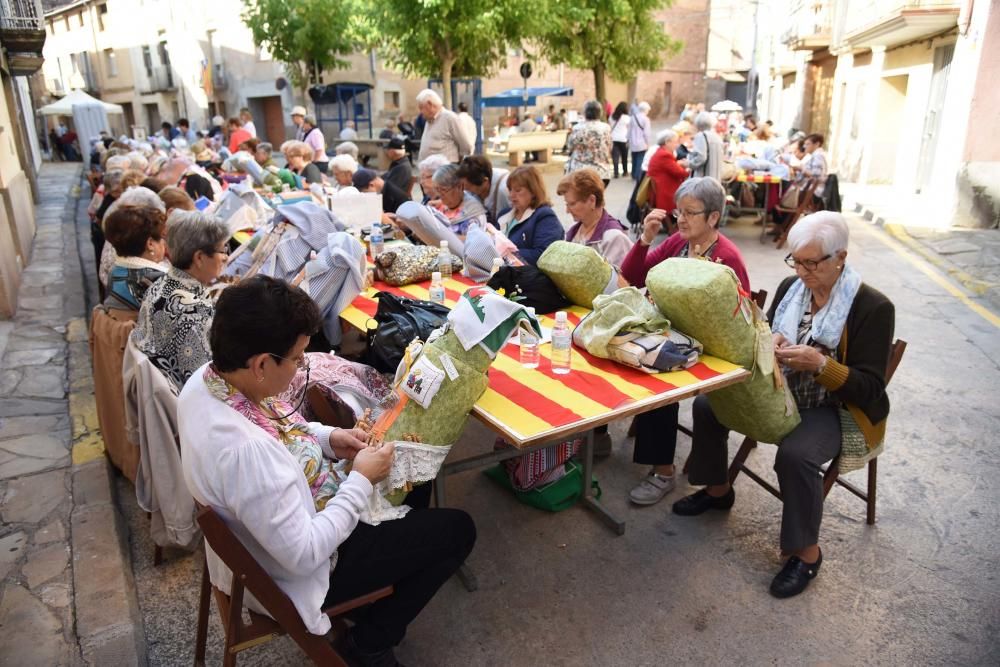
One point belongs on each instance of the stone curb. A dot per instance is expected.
(108, 621)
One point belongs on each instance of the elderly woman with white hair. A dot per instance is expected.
(299, 155)
(664, 171)
(176, 313)
(640, 135)
(343, 168)
(443, 132)
(706, 154)
(700, 205)
(458, 211)
(425, 170)
(832, 338)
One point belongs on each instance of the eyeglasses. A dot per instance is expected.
(809, 265)
(686, 214)
(302, 363)
(213, 252)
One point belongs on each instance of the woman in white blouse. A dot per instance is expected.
(237, 444)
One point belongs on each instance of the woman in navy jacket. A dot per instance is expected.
(531, 223)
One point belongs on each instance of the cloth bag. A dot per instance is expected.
(578, 272)
(407, 264)
(399, 321)
(529, 287)
(704, 299)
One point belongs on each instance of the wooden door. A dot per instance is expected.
(274, 120)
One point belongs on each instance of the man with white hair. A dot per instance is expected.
(348, 133)
(640, 136)
(443, 133)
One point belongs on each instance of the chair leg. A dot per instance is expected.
(204, 603)
(157, 555)
(741, 457)
(872, 488)
(830, 477)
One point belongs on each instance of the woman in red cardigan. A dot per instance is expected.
(700, 205)
(665, 172)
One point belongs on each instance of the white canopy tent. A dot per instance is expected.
(90, 115)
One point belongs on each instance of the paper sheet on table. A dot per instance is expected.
(358, 210)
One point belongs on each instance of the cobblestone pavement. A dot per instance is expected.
(66, 596)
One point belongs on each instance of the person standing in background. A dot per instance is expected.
(468, 123)
(247, 119)
(640, 135)
(443, 133)
(620, 122)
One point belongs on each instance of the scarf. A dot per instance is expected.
(323, 475)
(827, 323)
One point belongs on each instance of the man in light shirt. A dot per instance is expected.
(348, 133)
(298, 115)
(468, 123)
(443, 133)
(247, 119)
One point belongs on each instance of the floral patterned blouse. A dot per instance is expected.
(589, 145)
(323, 475)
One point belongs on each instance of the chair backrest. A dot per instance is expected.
(759, 297)
(806, 195)
(248, 572)
(895, 356)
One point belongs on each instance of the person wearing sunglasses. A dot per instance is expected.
(832, 337)
(237, 441)
(173, 322)
(700, 205)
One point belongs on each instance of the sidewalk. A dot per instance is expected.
(970, 256)
(67, 592)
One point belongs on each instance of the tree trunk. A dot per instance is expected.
(599, 90)
(446, 66)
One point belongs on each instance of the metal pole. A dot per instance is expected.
(751, 101)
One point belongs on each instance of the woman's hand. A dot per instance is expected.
(779, 340)
(347, 442)
(800, 357)
(374, 462)
(652, 225)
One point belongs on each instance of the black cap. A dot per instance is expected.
(363, 178)
(397, 142)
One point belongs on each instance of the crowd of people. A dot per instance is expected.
(161, 248)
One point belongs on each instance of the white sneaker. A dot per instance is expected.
(652, 489)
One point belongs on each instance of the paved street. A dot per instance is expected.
(917, 588)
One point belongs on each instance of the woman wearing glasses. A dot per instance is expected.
(447, 218)
(832, 338)
(236, 441)
(172, 329)
(700, 205)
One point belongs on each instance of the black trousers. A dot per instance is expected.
(799, 456)
(415, 555)
(656, 436)
(619, 153)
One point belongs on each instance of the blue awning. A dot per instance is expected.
(515, 96)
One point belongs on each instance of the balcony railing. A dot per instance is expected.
(158, 80)
(219, 79)
(809, 25)
(22, 34)
(861, 16)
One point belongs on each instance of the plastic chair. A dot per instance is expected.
(284, 619)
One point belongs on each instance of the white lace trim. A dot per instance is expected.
(412, 462)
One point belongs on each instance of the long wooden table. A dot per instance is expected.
(535, 408)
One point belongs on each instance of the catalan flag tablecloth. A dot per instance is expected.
(744, 177)
(530, 406)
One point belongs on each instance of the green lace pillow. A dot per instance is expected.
(577, 270)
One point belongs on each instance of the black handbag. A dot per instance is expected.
(531, 288)
(399, 321)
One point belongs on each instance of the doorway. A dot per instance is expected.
(269, 118)
(152, 117)
(932, 121)
(668, 98)
(888, 128)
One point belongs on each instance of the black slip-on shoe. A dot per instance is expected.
(700, 502)
(795, 577)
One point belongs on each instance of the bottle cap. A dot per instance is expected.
(443, 245)
(561, 317)
(436, 275)
(376, 227)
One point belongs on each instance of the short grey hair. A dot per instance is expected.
(136, 196)
(446, 176)
(432, 163)
(827, 227)
(704, 122)
(112, 179)
(592, 110)
(191, 231)
(343, 162)
(347, 148)
(706, 190)
(118, 162)
(663, 137)
(428, 95)
(265, 147)
(644, 107)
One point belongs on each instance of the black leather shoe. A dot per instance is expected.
(700, 502)
(794, 577)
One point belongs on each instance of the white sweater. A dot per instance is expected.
(260, 491)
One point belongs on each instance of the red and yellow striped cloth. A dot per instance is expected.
(744, 177)
(530, 406)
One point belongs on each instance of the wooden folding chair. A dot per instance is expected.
(805, 205)
(284, 619)
(760, 298)
(831, 474)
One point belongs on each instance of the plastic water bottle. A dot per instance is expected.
(528, 343)
(497, 263)
(376, 242)
(562, 344)
(437, 288)
(444, 260)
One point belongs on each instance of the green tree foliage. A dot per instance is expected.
(447, 38)
(304, 35)
(618, 38)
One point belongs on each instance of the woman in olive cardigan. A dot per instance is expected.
(832, 338)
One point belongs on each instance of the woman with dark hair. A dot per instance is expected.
(235, 439)
(620, 121)
(197, 186)
(137, 232)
